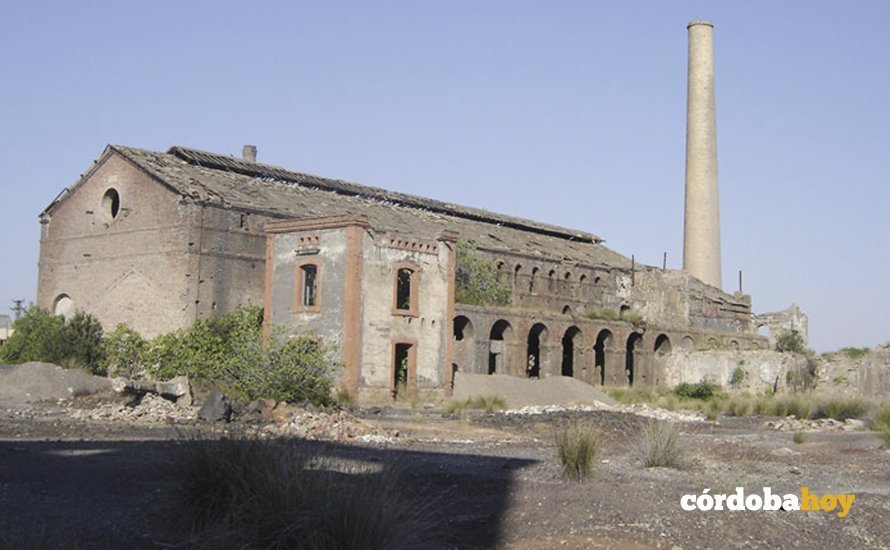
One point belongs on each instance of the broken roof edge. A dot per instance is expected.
(216, 161)
(67, 191)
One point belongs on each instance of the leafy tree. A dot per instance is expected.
(477, 279)
(790, 341)
(125, 352)
(37, 336)
(82, 342)
(229, 351)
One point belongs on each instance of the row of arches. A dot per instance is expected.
(613, 361)
(551, 281)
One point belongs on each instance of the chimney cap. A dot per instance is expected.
(700, 22)
(248, 153)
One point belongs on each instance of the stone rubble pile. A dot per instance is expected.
(331, 426)
(150, 409)
(640, 409)
(794, 424)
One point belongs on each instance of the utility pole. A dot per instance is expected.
(18, 308)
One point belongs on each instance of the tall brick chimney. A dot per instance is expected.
(248, 154)
(701, 239)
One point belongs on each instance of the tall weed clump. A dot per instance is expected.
(577, 445)
(881, 422)
(269, 494)
(659, 445)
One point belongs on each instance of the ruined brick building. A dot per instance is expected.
(156, 240)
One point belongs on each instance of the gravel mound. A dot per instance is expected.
(33, 382)
(525, 392)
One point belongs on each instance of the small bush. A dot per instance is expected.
(738, 376)
(790, 341)
(577, 445)
(477, 279)
(842, 408)
(267, 494)
(739, 406)
(634, 395)
(798, 437)
(228, 352)
(40, 336)
(659, 445)
(854, 353)
(487, 403)
(125, 352)
(702, 390)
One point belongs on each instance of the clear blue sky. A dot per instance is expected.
(567, 112)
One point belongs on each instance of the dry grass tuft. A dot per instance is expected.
(577, 445)
(659, 445)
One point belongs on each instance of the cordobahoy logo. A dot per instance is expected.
(767, 501)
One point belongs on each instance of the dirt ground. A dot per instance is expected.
(493, 481)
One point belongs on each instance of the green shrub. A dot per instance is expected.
(577, 445)
(40, 336)
(642, 394)
(477, 280)
(228, 351)
(790, 341)
(739, 406)
(702, 390)
(798, 437)
(841, 408)
(659, 445)
(738, 376)
(125, 352)
(267, 494)
(854, 353)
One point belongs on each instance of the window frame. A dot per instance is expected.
(299, 285)
(414, 291)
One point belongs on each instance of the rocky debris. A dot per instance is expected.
(177, 389)
(34, 382)
(293, 421)
(148, 409)
(794, 424)
(217, 408)
(640, 409)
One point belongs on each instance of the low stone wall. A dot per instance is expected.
(763, 370)
(867, 376)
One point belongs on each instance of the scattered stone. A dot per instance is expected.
(325, 425)
(217, 408)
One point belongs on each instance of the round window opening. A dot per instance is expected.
(111, 203)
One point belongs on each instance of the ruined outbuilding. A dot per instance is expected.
(157, 240)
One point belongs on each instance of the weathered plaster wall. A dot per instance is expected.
(764, 370)
(383, 327)
(329, 251)
(867, 376)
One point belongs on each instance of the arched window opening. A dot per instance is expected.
(632, 342)
(111, 204)
(662, 344)
(603, 344)
(501, 333)
(569, 341)
(536, 337)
